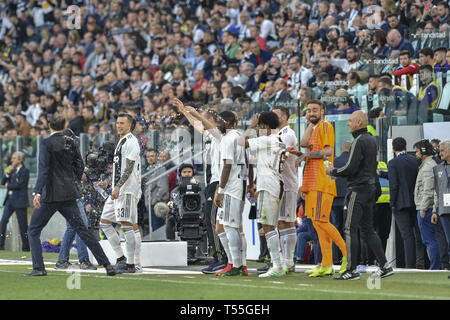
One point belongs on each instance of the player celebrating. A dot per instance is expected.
(319, 188)
(269, 156)
(121, 206)
(230, 196)
(286, 228)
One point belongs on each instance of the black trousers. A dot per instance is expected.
(382, 219)
(21, 214)
(360, 204)
(406, 220)
(443, 246)
(209, 214)
(70, 212)
(171, 226)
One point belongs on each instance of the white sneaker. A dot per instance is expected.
(273, 272)
(138, 268)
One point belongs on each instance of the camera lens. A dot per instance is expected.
(191, 203)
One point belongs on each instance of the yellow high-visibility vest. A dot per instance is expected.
(423, 92)
(385, 197)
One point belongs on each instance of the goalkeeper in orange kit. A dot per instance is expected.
(318, 188)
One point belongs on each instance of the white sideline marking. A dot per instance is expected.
(7, 262)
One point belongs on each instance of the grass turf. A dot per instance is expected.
(298, 286)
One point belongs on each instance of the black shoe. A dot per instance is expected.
(234, 272)
(383, 273)
(2, 247)
(36, 273)
(87, 265)
(110, 270)
(121, 265)
(62, 264)
(349, 275)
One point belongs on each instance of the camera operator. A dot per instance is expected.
(186, 214)
(185, 170)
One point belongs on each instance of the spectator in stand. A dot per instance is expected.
(443, 12)
(397, 42)
(164, 156)
(34, 110)
(281, 92)
(345, 104)
(23, 127)
(258, 56)
(394, 23)
(426, 57)
(408, 68)
(88, 117)
(441, 64)
(429, 92)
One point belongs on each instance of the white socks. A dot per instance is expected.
(234, 242)
(273, 243)
(288, 240)
(137, 247)
(129, 243)
(224, 240)
(113, 238)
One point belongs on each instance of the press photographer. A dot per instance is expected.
(186, 215)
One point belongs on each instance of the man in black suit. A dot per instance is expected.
(60, 166)
(337, 210)
(16, 181)
(402, 171)
(281, 94)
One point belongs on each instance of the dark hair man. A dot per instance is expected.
(402, 172)
(60, 165)
(121, 205)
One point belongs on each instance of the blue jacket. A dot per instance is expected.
(402, 172)
(17, 189)
(265, 56)
(60, 166)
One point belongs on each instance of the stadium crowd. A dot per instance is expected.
(141, 55)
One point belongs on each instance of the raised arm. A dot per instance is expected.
(243, 139)
(197, 124)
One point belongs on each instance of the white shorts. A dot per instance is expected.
(123, 209)
(288, 207)
(268, 208)
(231, 212)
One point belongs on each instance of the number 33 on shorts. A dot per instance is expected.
(122, 213)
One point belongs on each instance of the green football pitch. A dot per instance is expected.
(189, 284)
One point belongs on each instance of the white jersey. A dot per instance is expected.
(269, 161)
(215, 137)
(290, 170)
(128, 148)
(234, 154)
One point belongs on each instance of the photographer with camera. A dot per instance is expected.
(186, 214)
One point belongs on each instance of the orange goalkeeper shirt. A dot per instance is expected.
(314, 177)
